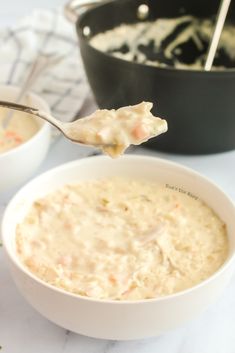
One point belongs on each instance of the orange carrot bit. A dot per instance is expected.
(112, 279)
(68, 225)
(140, 132)
(18, 139)
(10, 133)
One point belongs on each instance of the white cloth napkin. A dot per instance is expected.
(64, 85)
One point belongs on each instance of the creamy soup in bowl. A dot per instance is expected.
(20, 129)
(123, 317)
(24, 143)
(121, 239)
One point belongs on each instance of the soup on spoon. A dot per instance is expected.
(113, 131)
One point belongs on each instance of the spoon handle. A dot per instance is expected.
(221, 17)
(33, 111)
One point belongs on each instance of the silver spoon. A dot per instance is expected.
(67, 129)
(221, 17)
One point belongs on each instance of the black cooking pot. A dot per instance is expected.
(198, 105)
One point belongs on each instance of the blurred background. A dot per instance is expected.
(12, 10)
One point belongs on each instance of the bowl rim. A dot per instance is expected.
(42, 128)
(75, 164)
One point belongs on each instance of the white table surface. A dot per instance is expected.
(23, 330)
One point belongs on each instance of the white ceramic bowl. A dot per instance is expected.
(18, 164)
(114, 319)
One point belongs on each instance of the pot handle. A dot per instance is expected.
(75, 7)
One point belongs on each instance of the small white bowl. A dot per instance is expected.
(19, 163)
(119, 320)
